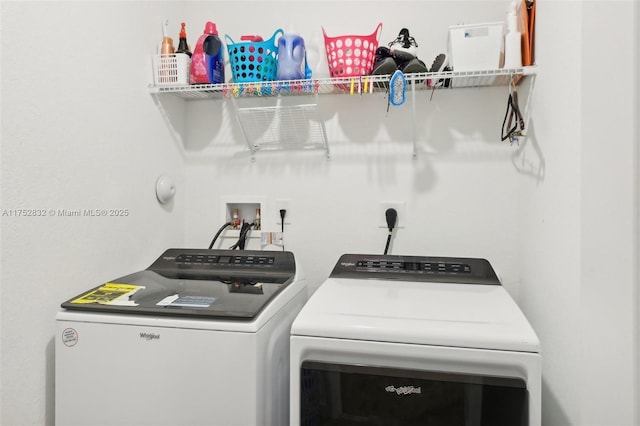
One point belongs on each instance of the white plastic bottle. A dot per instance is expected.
(512, 39)
(317, 56)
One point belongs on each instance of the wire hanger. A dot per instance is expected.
(513, 123)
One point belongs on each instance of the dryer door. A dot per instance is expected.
(339, 394)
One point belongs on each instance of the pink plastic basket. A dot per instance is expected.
(351, 55)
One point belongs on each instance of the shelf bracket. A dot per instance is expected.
(414, 131)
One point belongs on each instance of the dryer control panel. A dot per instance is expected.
(416, 268)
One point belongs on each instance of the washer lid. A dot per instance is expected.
(428, 313)
(194, 283)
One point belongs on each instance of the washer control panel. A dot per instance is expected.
(224, 259)
(213, 264)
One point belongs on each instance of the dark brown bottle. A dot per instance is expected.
(183, 47)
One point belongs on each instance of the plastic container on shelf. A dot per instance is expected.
(512, 39)
(254, 61)
(316, 55)
(475, 47)
(167, 46)
(351, 55)
(292, 57)
(183, 46)
(207, 60)
(171, 69)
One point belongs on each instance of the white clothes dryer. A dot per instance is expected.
(412, 340)
(201, 337)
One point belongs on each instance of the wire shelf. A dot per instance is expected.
(363, 84)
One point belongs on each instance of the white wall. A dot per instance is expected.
(608, 217)
(637, 208)
(550, 222)
(81, 132)
(459, 192)
(579, 243)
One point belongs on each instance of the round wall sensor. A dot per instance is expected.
(165, 189)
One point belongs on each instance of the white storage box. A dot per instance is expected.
(476, 47)
(171, 69)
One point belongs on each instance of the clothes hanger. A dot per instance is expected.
(513, 123)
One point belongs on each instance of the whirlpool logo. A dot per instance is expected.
(403, 390)
(149, 336)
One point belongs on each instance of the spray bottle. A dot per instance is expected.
(167, 42)
(512, 39)
(166, 60)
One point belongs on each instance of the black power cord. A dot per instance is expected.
(242, 239)
(391, 215)
(283, 213)
(218, 234)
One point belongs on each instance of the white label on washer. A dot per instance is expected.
(69, 337)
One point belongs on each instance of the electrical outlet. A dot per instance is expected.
(286, 205)
(400, 209)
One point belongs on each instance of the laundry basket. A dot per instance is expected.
(351, 55)
(254, 60)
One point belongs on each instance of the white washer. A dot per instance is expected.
(201, 338)
(404, 340)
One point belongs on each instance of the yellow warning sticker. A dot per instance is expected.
(108, 293)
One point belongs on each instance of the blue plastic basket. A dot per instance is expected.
(254, 60)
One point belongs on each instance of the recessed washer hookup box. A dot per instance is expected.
(476, 47)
